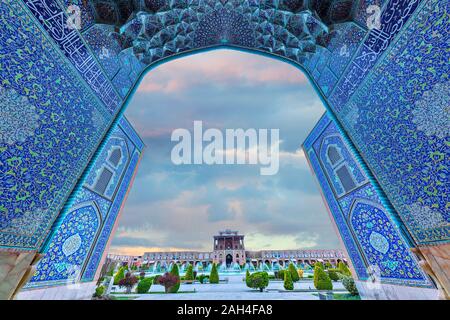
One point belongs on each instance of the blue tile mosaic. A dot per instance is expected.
(79, 237)
(61, 88)
(51, 124)
(370, 235)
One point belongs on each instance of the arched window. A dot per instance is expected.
(340, 168)
(115, 157)
(333, 155)
(103, 180)
(346, 178)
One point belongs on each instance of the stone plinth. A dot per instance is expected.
(15, 269)
(77, 291)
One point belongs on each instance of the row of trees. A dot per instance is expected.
(170, 280)
(322, 279)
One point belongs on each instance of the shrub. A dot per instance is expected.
(328, 265)
(350, 285)
(316, 274)
(201, 278)
(111, 271)
(169, 281)
(288, 283)
(142, 275)
(333, 274)
(342, 267)
(323, 281)
(258, 280)
(293, 271)
(155, 279)
(119, 275)
(214, 276)
(247, 278)
(144, 285)
(99, 291)
(300, 273)
(189, 273)
(319, 264)
(281, 274)
(128, 282)
(175, 272)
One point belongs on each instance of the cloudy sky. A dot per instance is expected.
(181, 207)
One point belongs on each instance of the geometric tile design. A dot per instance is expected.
(407, 146)
(387, 87)
(78, 238)
(371, 236)
(50, 135)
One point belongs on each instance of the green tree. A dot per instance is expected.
(99, 291)
(189, 273)
(342, 267)
(281, 274)
(175, 272)
(119, 275)
(155, 279)
(349, 284)
(332, 273)
(128, 282)
(258, 280)
(328, 265)
(247, 278)
(214, 275)
(316, 273)
(201, 278)
(320, 264)
(169, 281)
(144, 285)
(323, 280)
(294, 273)
(288, 283)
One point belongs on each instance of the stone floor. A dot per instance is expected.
(236, 289)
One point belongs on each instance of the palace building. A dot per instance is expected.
(229, 248)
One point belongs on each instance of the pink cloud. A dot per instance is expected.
(221, 67)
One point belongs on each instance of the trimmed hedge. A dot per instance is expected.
(342, 268)
(323, 281)
(288, 283)
(333, 274)
(214, 276)
(189, 273)
(294, 273)
(257, 280)
(99, 291)
(316, 274)
(144, 285)
(155, 279)
(119, 275)
(319, 264)
(247, 278)
(175, 272)
(350, 285)
(201, 278)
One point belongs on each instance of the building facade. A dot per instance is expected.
(229, 250)
(229, 247)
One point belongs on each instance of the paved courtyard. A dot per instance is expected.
(236, 289)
